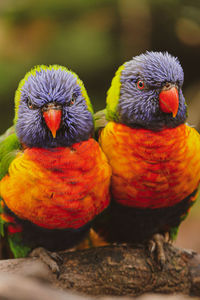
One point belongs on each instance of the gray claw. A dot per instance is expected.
(158, 241)
(49, 258)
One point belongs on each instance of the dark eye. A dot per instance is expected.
(73, 100)
(140, 84)
(30, 104)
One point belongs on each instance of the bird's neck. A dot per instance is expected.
(60, 157)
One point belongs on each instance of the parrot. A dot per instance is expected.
(154, 154)
(54, 177)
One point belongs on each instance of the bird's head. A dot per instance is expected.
(52, 108)
(146, 92)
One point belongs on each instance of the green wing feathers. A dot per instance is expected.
(11, 234)
(2, 221)
(9, 145)
(17, 247)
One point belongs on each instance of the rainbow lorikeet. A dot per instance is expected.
(154, 155)
(54, 176)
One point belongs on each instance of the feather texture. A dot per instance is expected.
(56, 188)
(152, 169)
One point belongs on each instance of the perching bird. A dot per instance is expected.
(54, 176)
(154, 155)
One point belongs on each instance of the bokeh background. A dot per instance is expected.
(94, 37)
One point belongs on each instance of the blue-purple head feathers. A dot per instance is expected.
(57, 85)
(140, 107)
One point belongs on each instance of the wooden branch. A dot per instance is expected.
(120, 271)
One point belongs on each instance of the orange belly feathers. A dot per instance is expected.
(58, 188)
(152, 169)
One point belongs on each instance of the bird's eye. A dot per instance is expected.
(29, 103)
(140, 84)
(73, 100)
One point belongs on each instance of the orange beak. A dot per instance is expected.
(52, 117)
(169, 100)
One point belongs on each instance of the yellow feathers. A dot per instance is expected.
(113, 95)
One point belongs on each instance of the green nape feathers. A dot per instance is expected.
(113, 96)
(110, 113)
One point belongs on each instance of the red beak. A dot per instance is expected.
(169, 100)
(52, 117)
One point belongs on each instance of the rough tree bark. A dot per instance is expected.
(120, 270)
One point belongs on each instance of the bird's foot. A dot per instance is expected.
(156, 245)
(51, 259)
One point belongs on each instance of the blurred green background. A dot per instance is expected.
(94, 37)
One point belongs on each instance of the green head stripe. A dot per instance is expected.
(84, 94)
(113, 95)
